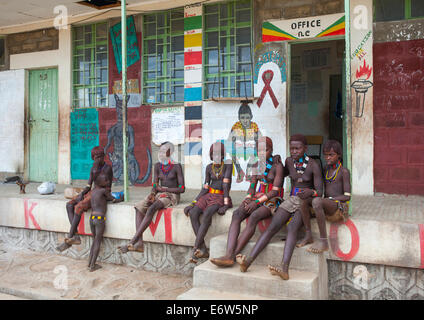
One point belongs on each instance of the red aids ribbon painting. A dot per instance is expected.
(267, 78)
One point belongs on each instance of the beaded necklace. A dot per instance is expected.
(166, 168)
(218, 172)
(301, 165)
(269, 163)
(334, 176)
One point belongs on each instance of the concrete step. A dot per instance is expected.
(211, 294)
(258, 281)
(273, 254)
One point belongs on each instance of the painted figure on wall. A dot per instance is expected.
(114, 136)
(82, 202)
(243, 139)
(213, 198)
(168, 184)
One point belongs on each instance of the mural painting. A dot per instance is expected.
(139, 116)
(239, 125)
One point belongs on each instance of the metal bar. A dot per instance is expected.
(347, 117)
(124, 96)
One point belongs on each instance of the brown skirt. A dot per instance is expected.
(210, 199)
(341, 214)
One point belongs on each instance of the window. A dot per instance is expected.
(2, 52)
(227, 47)
(163, 57)
(90, 65)
(392, 10)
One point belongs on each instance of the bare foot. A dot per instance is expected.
(74, 240)
(193, 258)
(201, 253)
(222, 262)
(95, 267)
(123, 249)
(319, 247)
(63, 246)
(306, 240)
(242, 261)
(277, 271)
(139, 247)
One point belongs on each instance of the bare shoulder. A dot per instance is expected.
(276, 158)
(288, 161)
(345, 171)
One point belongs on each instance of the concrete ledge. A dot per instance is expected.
(360, 239)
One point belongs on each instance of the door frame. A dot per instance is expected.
(346, 143)
(26, 123)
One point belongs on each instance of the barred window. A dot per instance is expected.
(228, 49)
(90, 65)
(163, 57)
(392, 10)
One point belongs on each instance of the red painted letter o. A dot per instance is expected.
(334, 228)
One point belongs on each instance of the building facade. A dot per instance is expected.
(231, 71)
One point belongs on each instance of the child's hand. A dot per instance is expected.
(305, 193)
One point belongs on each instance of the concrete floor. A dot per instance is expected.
(26, 274)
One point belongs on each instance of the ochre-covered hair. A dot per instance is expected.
(333, 144)
(219, 146)
(300, 138)
(97, 151)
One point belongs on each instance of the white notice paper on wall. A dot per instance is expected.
(168, 125)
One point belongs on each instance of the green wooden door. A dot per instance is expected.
(43, 125)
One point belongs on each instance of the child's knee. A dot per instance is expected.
(317, 203)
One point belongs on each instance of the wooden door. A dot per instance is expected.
(43, 125)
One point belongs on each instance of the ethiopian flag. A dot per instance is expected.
(337, 28)
(271, 32)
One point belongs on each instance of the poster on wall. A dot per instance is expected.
(240, 125)
(133, 54)
(168, 125)
(84, 137)
(133, 65)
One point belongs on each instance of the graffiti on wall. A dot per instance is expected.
(361, 86)
(361, 60)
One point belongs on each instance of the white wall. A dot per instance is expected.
(12, 109)
(61, 59)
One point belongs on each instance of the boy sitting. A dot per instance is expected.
(334, 205)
